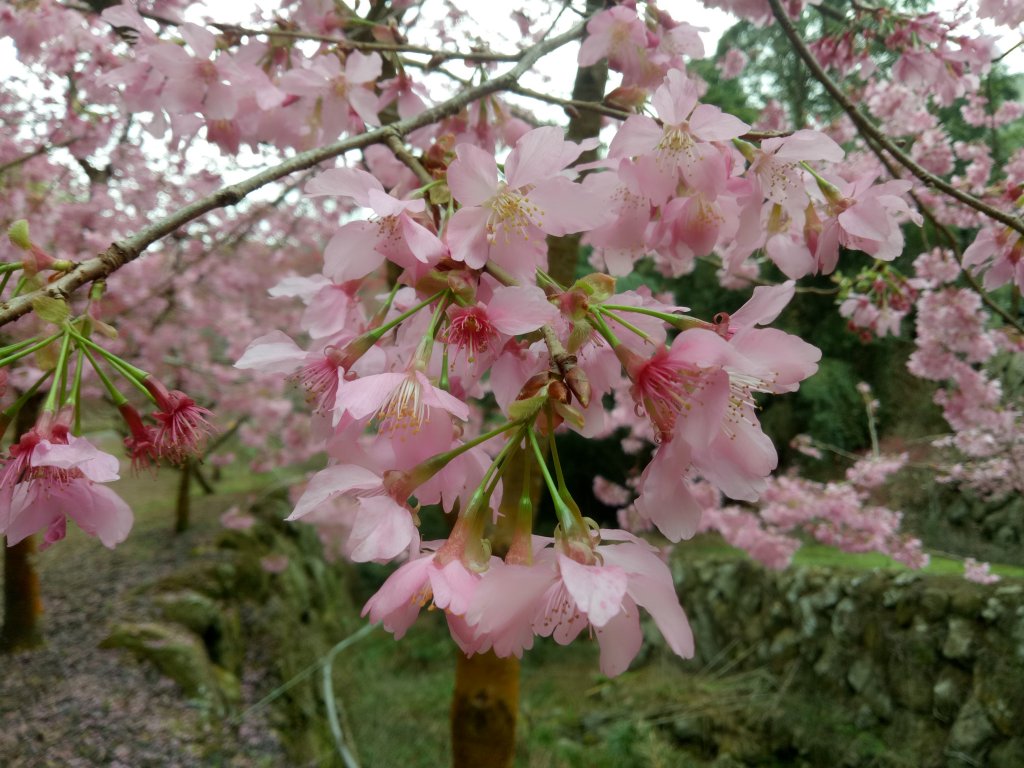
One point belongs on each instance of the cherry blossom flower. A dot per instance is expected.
(51, 476)
(182, 426)
(360, 247)
(510, 311)
(681, 143)
(380, 525)
(558, 596)
(506, 220)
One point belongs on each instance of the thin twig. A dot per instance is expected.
(573, 104)
(131, 247)
(867, 128)
(950, 238)
(344, 42)
(41, 150)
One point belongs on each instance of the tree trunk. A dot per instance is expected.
(23, 604)
(183, 505)
(484, 710)
(486, 700)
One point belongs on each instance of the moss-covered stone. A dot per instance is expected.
(181, 656)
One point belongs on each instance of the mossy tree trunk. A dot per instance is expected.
(23, 605)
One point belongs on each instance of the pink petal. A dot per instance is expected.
(473, 175)
(340, 478)
(31, 509)
(274, 352)
(805, 144)
(345, 182)
(467, 236)
(637, 136)
(535, 157)
(438, 398)
(620, 640)
(597, 590)
(520, 309)
(383, 530)
(567, 207)
(424, 244)
(99, 512)
(712, 124)
(79, 454)
(363, 397)
(352, 252)
(362, 67)
(200, 40)
(764, 305)
(866, 219)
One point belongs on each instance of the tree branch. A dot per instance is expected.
(867, 128)
(131, 247)
(40, 150)
(954, 245)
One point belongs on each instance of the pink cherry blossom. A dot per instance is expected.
(505, 221)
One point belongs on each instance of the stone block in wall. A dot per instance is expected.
(960, 643)
(973, 731)
(949, 693)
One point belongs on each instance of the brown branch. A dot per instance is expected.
(573, 105)
(131, 247)
(41, 150)
(344, 42)
(868, 129)
(951, 238)
(341, 42)
(397, 146)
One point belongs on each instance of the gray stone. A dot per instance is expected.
(993, 610)
(847, 622)
(860, 675)
(1009, 754)
(934, 603)
(972, 730)
(959, 643)
(948, 695)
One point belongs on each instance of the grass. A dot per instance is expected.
(821, 555)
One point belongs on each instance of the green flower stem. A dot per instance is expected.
(490, 479)
(682, 322)
(60, 374)
(442, 382)
(126, 369)
(602, 327)
(427, 469)
(627, 325)
(19, 286)
(565, 516)
(377, 334)
(6, 279)
(422, 191)
(9, 348)
(12, 266)
(8, 414)
(563, 489)
(28, 350)
(382, 312)
(114, 392)
(549, 280)
(76, 391)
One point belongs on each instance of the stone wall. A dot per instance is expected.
(933, 666)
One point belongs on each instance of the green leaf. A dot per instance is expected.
(51, 310)
(18, 234)
(528, 407)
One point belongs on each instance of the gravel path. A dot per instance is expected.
(71, 704)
